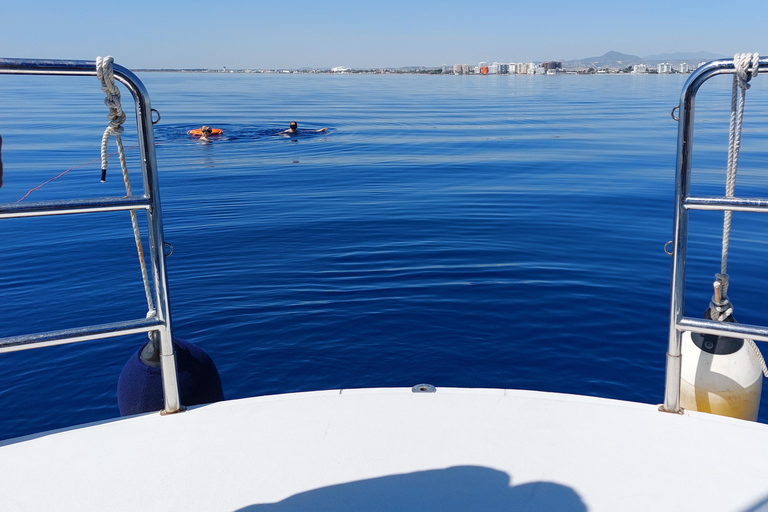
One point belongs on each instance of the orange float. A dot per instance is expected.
(198, 132)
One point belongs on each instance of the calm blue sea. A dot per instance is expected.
(473, 231)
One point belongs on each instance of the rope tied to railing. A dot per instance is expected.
(743, 74)
(116, 115)
(116, 118)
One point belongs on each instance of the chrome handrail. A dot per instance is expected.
(684, 202)
(105, 204)
(158, 319)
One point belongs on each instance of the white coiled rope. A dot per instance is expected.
(116, 118)
(116, 115)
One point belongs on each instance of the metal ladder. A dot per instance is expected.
(684, 202)
(158, 320)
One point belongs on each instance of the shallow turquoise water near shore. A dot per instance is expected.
(461, 231)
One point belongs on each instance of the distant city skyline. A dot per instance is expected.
(304, 34)
(663, 63)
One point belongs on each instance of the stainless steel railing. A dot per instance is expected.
(158, 319)
(684, 202)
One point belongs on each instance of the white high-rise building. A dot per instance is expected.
(663, 68)
(684, 68)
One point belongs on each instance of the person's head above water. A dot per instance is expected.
(205, 131)
(294, 129)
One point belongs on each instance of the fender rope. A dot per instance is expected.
(116, 118)
(720, 307)
(741, 78)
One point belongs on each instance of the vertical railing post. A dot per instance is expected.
(172, 402)
(680, 231)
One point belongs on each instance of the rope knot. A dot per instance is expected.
(116, 116)
(742, 62)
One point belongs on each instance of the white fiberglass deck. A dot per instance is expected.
(391, 449)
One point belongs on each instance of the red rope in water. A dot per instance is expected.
(65, 172)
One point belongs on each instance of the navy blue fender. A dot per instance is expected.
(140, 386)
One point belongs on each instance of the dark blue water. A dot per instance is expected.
(462, 231)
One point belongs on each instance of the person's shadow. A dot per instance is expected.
(460, 488)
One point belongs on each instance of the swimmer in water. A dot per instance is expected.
(294, 128)
(205, 132)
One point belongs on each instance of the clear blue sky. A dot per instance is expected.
(362, 34)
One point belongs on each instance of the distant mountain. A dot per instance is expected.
(608, 60)
(690, 57)
(617, 60)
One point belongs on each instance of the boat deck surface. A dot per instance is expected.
(391, 449)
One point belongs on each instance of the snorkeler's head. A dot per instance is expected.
(294, 125)
(206, 130)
